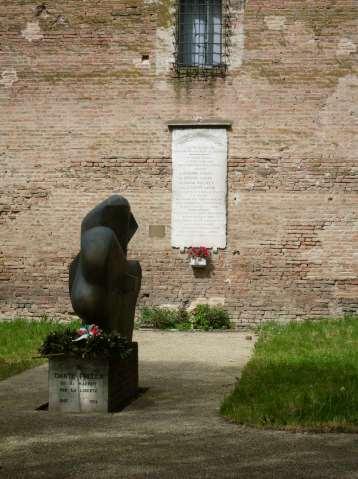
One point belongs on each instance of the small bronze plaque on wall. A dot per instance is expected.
(156, 231)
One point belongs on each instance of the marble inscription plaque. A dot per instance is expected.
(78, 386)
(199, 187)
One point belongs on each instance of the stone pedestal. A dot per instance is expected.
(92, 385)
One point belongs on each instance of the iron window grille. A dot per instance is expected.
(202, 37)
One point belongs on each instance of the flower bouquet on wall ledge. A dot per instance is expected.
(198, 256)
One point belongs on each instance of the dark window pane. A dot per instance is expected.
(200, 33)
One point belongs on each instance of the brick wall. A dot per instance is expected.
(84, 114)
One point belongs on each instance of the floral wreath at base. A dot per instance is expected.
(87, 342)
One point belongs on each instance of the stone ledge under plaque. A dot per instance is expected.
(214, 123)
(92, 385)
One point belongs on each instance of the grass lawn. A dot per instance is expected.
(302, 375)
(19, 342)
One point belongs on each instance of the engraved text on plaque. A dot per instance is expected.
(199, 187)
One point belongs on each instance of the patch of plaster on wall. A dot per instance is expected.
(164, 50)
(345, 47)
(8, 78)
(237, 48)
(337, 119)
(238, 38)
(275, 22)
(161, 85)
(32, 32)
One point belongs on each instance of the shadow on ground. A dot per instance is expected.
(172, 431)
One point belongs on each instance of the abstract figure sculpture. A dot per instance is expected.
(103, 284)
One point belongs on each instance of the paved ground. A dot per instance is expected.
(172, 431)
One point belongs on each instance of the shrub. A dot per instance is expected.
(202, 317)
(162, 318)
(210, 317)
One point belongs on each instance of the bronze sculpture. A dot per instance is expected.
(104, 285)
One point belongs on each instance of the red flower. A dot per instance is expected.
(94, 330)
(89, 330)
(199, 252)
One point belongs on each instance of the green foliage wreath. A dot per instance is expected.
(93, 346)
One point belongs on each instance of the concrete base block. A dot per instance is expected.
(92, 385)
